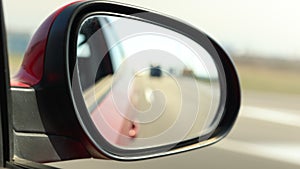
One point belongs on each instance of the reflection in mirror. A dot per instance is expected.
(145, 85)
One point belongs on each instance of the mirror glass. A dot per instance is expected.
(145, 85)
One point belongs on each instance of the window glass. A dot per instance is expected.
(263, 39)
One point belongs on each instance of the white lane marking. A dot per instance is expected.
(148, 95)
(285, 152)
(284, 117)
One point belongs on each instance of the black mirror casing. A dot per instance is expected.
(57, 129)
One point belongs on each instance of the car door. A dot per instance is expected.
(262, 38)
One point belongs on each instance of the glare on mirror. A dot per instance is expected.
(145, 85)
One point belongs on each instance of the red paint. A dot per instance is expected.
(32, 67)
(18, 84)
(112, 125)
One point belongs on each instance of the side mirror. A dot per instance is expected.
(108, 80)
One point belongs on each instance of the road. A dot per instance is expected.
(164, 105)
(160, 107)
(266, 135)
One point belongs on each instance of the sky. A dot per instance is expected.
(264, 27)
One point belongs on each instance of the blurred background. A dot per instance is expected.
(262, 38)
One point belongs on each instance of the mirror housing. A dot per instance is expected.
(44, 95)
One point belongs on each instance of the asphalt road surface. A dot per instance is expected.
(266, 135)
(164, 105)
(164, 109)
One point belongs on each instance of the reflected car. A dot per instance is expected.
(155, 71)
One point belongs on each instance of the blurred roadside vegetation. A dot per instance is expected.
(261, 74)
(269, 74)
(17, 43)
(255, 73)
(15, 62)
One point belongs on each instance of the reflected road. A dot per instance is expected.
(163, 97)
(158, 108)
